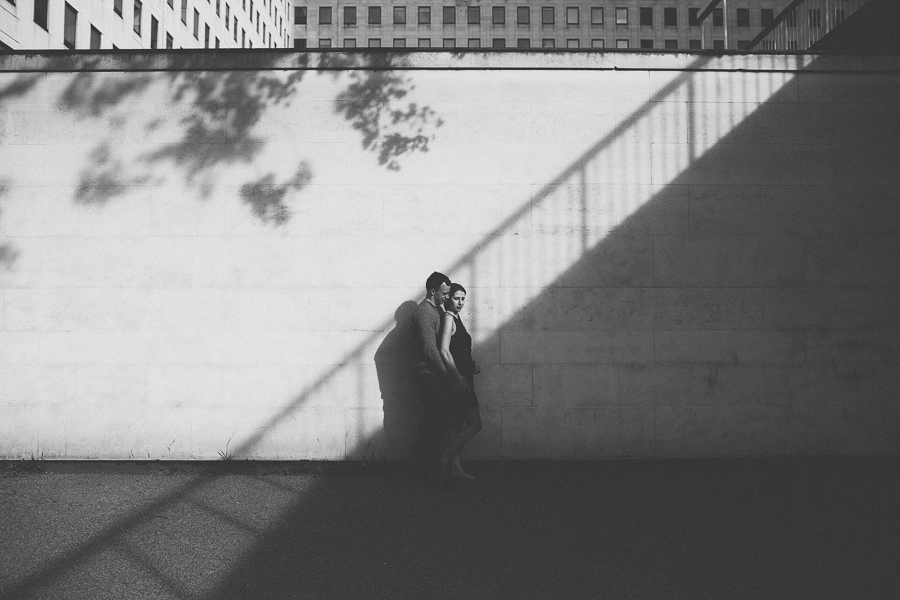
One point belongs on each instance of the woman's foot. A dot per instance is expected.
(457, 470)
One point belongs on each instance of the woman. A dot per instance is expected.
(456, 350)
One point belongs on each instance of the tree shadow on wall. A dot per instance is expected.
(208, 119)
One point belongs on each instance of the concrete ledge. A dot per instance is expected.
(368, 59)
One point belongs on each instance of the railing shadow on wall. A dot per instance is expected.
(540, 265)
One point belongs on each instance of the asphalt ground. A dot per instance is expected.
(724, 529)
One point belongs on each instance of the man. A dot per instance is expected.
(431, 374)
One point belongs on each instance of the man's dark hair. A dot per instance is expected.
(435, 280)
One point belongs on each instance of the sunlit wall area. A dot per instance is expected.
(666, 255)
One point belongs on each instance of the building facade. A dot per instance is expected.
(545, 24)
(124, 24)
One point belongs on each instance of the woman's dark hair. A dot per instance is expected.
(454, 287)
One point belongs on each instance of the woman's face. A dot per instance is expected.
(457, 300)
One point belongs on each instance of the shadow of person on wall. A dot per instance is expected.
(393, 365)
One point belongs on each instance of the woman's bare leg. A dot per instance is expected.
(450, 456)
(456, 469)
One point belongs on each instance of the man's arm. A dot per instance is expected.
(427, 329)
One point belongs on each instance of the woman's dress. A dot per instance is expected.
(461, 351)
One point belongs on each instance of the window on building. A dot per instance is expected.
(548, 43)
(523, 15)
(572, 43)
(646, 16)
(766, 16)
(621, 44)
(646, 44)
(233, 29)
(718, 44)
(154, 32)
(299, 15)
(743, 17)
(743, 44)
(40, 14)
(523, 43)
(374, 42)
(206, 36)
(137, 16)
(449, 15)
(548, 15)
(621, 16)
(670, 44)
(184, 9)
(324, 17)
(424, 42)
(473, 42)
(196, 24)
(473, 16)
(498, 43)
(348, 42)
(170, 41)
(718, 17)
(70, 19)
(424, 15)
(227, 16)
(217, 41)
(95, 38)
(670, 17)
(694, 45)
(839, 15)
(498, 15)
(400, 42)
(449, 43)
(349, 16)
(375, 15)
(171, 4)
(693, 17)
(323, 43)
(572, 15)
(399, 15)
(596, 15)
(596, 43)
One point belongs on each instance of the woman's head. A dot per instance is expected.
(456, 298)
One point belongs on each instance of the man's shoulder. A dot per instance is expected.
(426, 311)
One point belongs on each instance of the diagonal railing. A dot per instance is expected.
(802, 23)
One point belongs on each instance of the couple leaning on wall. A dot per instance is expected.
(445, 377)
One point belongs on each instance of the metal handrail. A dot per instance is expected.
(790, 32)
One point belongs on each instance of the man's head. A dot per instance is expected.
(437, 286)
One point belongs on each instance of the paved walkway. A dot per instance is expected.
(718, 529)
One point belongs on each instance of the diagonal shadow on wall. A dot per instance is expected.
(279, 563)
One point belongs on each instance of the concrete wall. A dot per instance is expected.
(666, 255)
